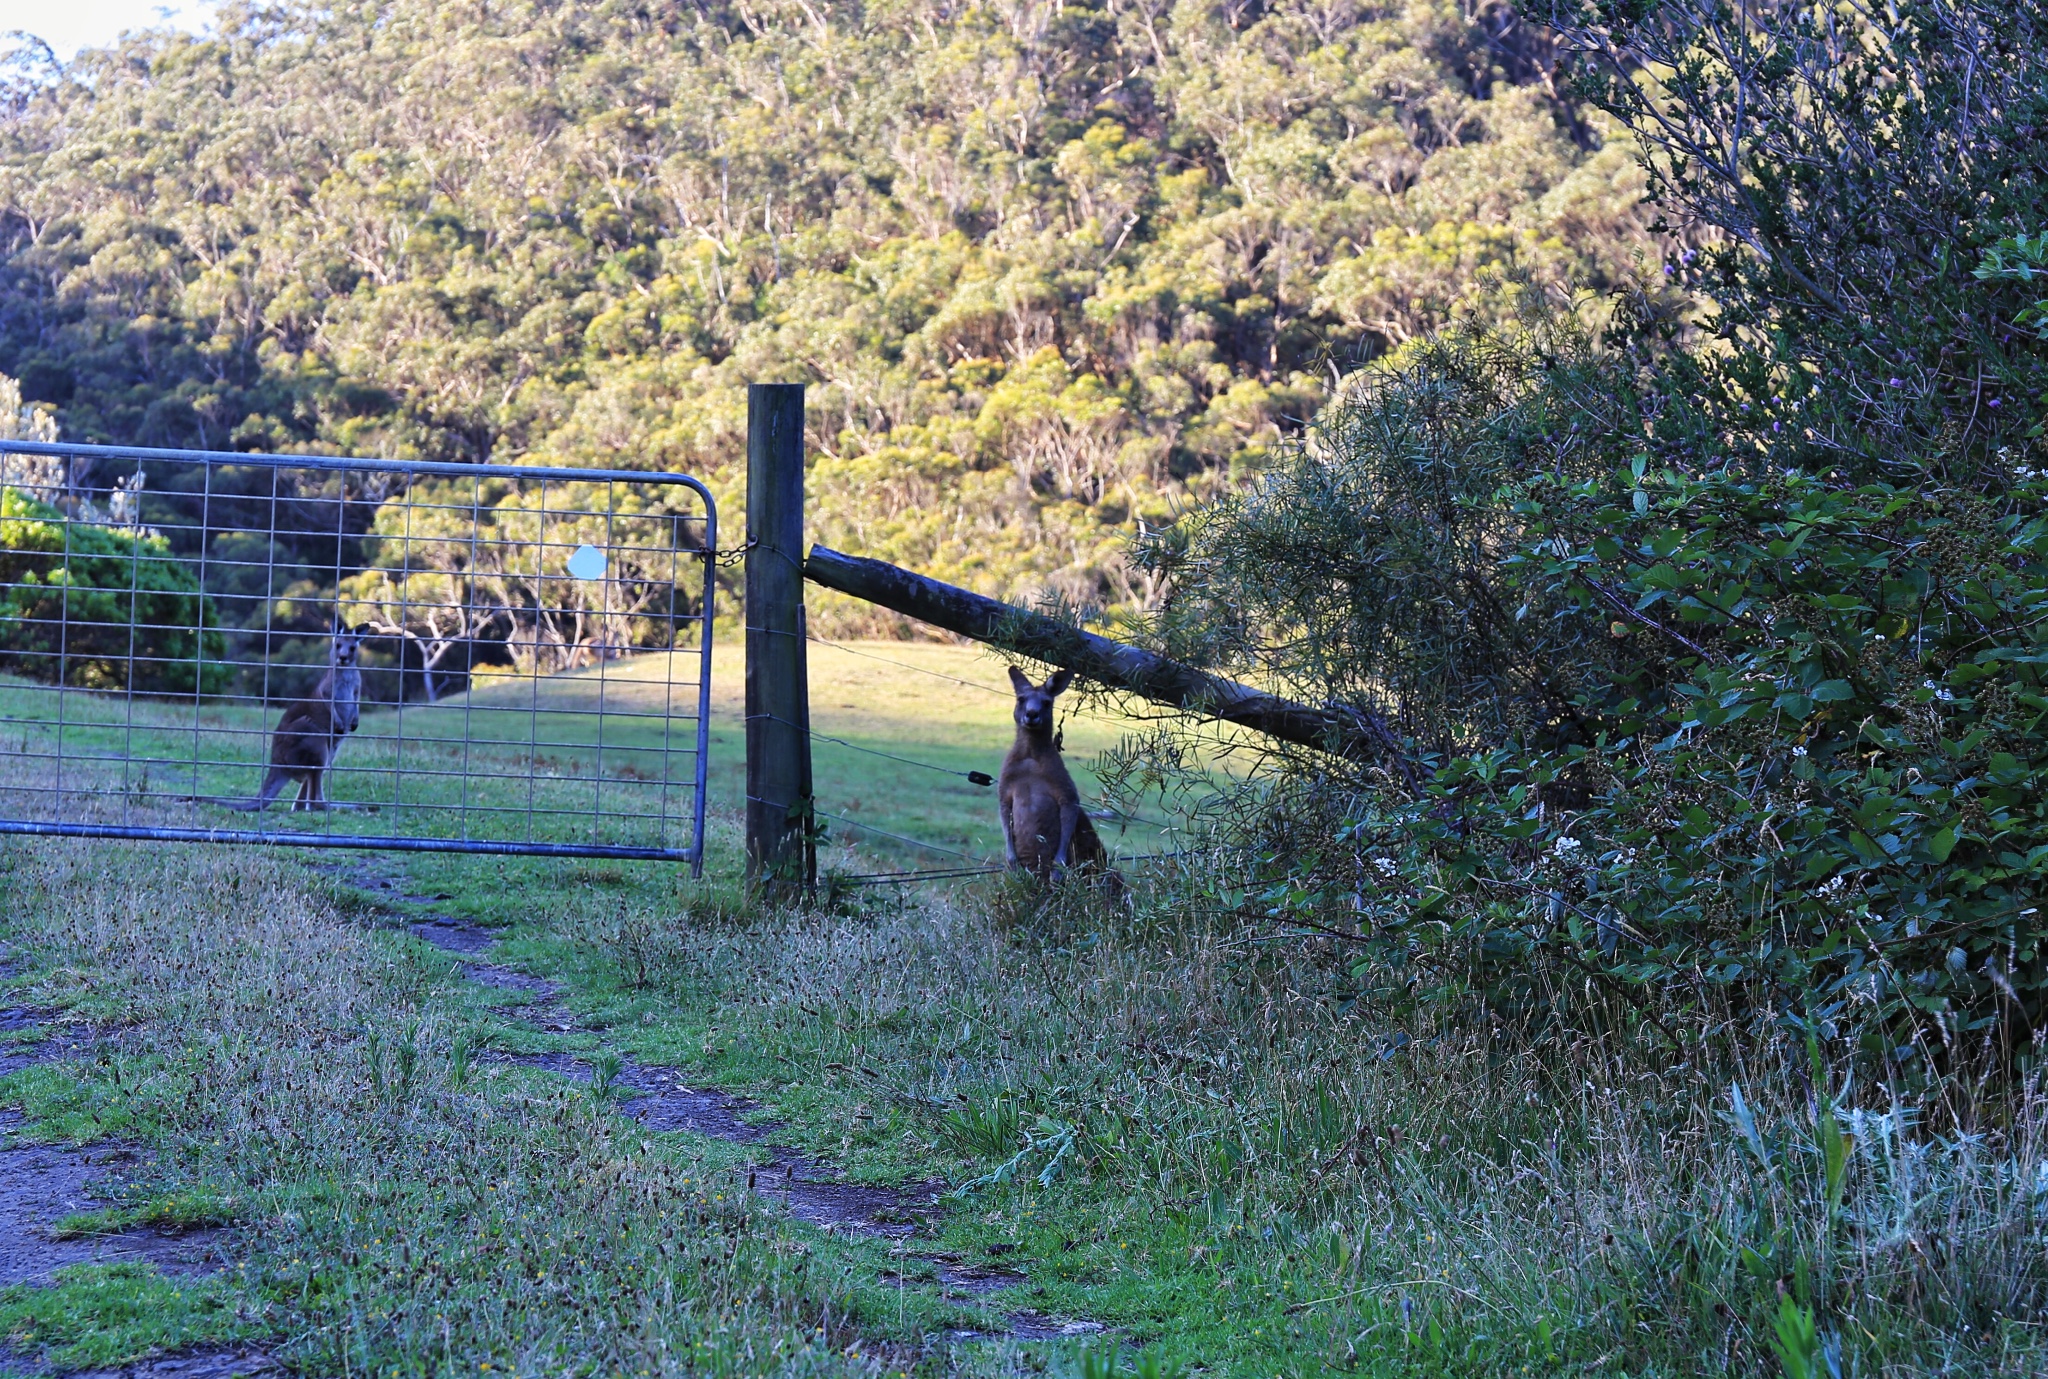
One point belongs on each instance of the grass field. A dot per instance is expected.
(603, 755)
(1175, 1122)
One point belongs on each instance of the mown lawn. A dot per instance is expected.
(602, 755)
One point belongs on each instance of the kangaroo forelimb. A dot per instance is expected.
(1070, 819)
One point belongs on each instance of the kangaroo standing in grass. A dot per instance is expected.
(311, 730)
(1045, 830)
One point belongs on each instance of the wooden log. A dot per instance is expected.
(1120, 666)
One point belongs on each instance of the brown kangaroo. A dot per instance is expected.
(311, 730)
(1045, 830)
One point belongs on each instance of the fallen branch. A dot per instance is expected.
(1342, 732)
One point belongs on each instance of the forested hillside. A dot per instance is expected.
(1046, 265)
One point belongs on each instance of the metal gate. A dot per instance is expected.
(298, 649)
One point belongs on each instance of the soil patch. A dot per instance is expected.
(972, 1281)
(889, 1213)
(504, 978)
(193, 1364)
(222, 1364)
(42, 1184)
(59, 1040)
(443, 931)
(454, 937)
(15, 1021)
(655, 1097)
(661, 1101)
(545, 1010)
(1030, 1326)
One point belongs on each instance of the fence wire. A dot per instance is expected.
(337, 652)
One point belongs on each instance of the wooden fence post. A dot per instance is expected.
(778, 699)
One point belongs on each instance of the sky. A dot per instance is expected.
(68, 25)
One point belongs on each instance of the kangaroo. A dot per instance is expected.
(311, 730)
(1045, 830)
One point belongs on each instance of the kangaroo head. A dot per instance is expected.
(1034, 702)
(347, 644)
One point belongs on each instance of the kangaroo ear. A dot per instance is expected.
(1019, 681)
(1059, 682)
(364, 629)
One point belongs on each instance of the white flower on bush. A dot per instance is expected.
(1944, 695)
(1798, 751)
(1563, 848)
(1386, 866)
(1831, 886)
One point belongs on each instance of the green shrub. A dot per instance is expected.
(101, 608)
(1708, 625)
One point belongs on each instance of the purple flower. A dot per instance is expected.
(1898, 383)
(1990, 402)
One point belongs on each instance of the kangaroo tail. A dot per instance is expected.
(272, 784)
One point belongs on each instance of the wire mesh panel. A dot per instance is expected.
(353, 653)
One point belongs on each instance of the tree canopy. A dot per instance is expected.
(1050, 266)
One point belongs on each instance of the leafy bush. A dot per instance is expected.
(1709, 620)
(101, 608)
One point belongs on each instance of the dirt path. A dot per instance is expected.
(211, 1364)
(660, 1099)
(41, 1184)
(58, 1042)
